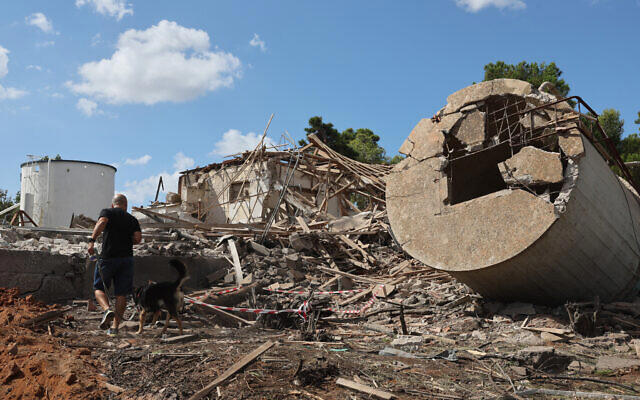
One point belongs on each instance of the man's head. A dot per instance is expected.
(119, 201)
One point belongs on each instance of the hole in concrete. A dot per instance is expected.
(477, 174)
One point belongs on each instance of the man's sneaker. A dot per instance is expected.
(112, 331)
(107, 319)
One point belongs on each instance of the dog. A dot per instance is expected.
(162, 295)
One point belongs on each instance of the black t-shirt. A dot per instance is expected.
(117, 238)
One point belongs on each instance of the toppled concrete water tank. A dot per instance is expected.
(503, 190)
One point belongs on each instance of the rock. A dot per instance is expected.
(300, 242)
(390, 351)
(613, 363)
(45, 240)
(532, 166)
(258, 248)
(545, 358)
(61, 242)
(407, 340)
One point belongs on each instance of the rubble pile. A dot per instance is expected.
(318, 300)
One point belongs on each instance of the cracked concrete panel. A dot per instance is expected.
(532, 166)
(418, 134)
(571, 144)
(471, 130)
(483, 90)
(470, 235)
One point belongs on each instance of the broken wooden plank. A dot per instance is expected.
(45, 317)
(303, 224)
(364, 389)
(179, 339)
(246, 360)
(236, 261)
(224, 315)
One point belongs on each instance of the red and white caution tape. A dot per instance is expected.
(231, 290)
(307, 293)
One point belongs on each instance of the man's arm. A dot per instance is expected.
(137, 237)
(97, 231)
(137, 234)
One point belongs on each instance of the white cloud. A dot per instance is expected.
(477, 5)
(88, 107)
(233, 141)
(166, 62)
(138, 161)
(7, 93)
(112, 8)
(57, 95)
(36, 67)
(96, 39)
(257, 42)
(4, 62)
(140, 191)
(41, 21)
(182, 162)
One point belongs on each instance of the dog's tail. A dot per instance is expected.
(182, 271)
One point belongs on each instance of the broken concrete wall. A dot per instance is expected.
(232, 194)
(514, 202)
(56, 278)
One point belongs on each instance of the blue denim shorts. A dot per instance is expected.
(118, 270)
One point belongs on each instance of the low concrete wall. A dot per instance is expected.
(56, 278)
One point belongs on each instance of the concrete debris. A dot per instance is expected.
(508, 191)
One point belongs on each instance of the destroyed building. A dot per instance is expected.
(270, 186)
(507, 189)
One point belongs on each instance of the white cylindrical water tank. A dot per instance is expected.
(52, 191)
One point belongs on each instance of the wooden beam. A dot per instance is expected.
(236, 261)
(377, 393)
(246, 360)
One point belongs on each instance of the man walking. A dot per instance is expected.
(120, 232)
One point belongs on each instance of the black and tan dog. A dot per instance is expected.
(162, 295)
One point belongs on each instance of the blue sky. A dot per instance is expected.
(157, 86)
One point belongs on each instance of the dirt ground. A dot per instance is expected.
(458, 356)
